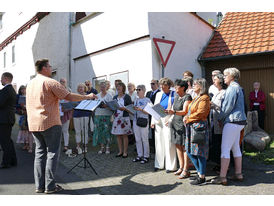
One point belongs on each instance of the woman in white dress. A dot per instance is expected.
(121, 126)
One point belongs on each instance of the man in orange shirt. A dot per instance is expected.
(42, 103)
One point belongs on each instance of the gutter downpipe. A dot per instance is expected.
(202, 68)
(69, 52)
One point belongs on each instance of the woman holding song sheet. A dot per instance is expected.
(178, 131)
(80, 121)
(121, 126)
(102, 124)
(140, 125)
(165, 151)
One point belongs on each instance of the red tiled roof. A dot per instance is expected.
(242, 33)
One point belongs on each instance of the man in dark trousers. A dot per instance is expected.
(152, 95)
(7, 120)
(42, 103)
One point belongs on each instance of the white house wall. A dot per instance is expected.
(190, 35)
(13, 21)
(134, 58)
(106, 30)
(22, 69)
(45, 39)
(52, 42)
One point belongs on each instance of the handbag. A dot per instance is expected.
(141, 122)
(199, 132)
(199, 128)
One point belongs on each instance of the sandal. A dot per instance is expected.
(219, 180)
(237, 177)
(65, 149)
(107, 150)
(101, 151)
(137, 159)
(178, 172)
(144, 160)
(57, 188)
(185, 174)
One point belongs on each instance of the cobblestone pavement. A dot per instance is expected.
(119, 176)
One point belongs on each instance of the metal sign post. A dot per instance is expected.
(163, 71)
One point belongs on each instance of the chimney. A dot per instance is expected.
(219, 18)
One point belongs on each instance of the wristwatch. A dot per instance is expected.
(174, 112)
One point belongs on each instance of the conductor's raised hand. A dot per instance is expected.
(91, 96)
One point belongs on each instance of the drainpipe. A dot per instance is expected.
(202, 68)
(69, 52)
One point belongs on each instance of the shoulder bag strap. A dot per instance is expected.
(189, 111)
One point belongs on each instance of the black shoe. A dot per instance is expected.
(156, 169)
(194, 177)
(125, 156)
(4, 166)
(119, 155)
(169, 171)
(198, 181)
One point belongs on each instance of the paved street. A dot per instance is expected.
(118, 176)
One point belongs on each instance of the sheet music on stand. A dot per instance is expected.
(156, 111)
(88, 105)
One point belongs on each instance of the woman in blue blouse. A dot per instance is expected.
(165, 150)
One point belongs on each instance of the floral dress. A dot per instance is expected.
(102, 124)
(121, 125)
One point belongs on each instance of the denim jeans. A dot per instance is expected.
(46, 157)
(199, 163)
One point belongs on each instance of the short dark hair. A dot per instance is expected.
(181, 83)
(39, 64)
(118, 80)
(189, 79)
(123, 86)
(8, 75)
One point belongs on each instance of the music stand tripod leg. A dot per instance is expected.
(84, 158)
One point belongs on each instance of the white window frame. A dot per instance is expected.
(13, 59)
(4, 59)
(97, 80)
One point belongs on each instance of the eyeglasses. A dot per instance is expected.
(152, 83)
(138, 90)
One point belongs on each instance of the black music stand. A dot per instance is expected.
(84, 159)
